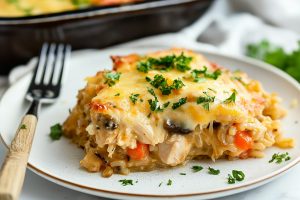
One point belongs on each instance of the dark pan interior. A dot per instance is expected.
(21, 41)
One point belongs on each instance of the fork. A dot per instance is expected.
(44, 88)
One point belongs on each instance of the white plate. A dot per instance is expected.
(59, 161)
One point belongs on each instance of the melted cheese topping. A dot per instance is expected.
(149, 128)
(19, 8)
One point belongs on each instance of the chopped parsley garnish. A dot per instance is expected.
(205, 100)
(197, 168)
(126, 182)
(12, 1)
(169, 182)
(161, 83)
(182, 174)
(160, 184)
(134, 98)
(112, 78)
(55, 132)
(182, 62)
(23, 126)
(196, 74)
(154, 103)
(231, 98)
(118, 94)
(236, 176)
(279, 158)
(212, 90)
(213, 171)
(239, 79)
(230, 179)
(80, 3)
(179, 103)
(166, 63)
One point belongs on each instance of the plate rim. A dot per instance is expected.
(235, 189)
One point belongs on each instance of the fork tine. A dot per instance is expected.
(57, 53)
(40, 59)
(47, 61)
(65, 54)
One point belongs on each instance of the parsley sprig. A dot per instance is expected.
(166, 63)
(169, 182)
(112, 78)
(179, 103)
(197, 168)
(213, 171)
(134, 98)
(205, 100)
(161, 83)
(23, 126)
(279, 158)
(236, 176)
(231, 98)
(197, 78)
(154, 103)
(277, 56)
(126, 182)
(55, 131)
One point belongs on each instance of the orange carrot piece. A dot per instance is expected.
(138, 153)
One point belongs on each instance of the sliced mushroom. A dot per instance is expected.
(173, 127)
(106, 121)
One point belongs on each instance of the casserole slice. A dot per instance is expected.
(162, 109)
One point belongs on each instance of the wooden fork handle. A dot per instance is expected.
(13, 169)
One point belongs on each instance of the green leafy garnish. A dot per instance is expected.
(134, 98)
(23, 126)
(182, 62)
(154, 103)
(81, 3)
(56, 131)
(239, 79)
(112, 78)
(231, 98)
(160, 184)
(205, 100)
(126, 182)
(197, 168)
(230, 179)
(212, 90)
(213, 171)
(179, 103)
(236, 176)
(169, 182)
(182, 174)
(274, 55)
(161, 83)
(166, 63)
(12, 1)
(279, 158)
(118, 94)
(196, 74)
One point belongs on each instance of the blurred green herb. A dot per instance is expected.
(274, 55)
